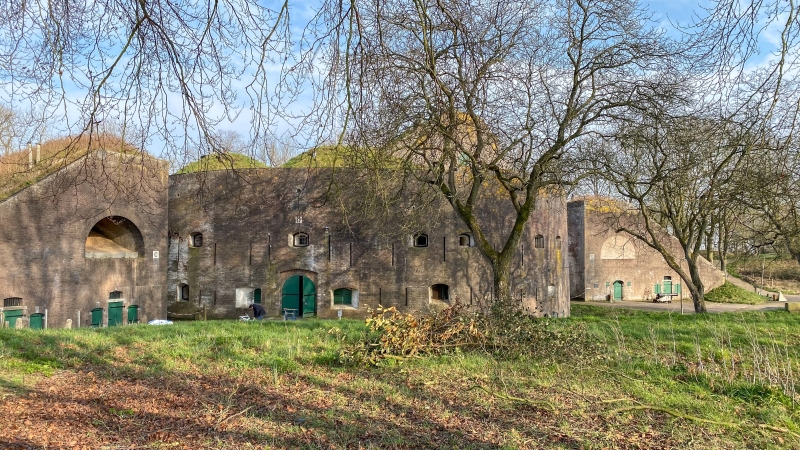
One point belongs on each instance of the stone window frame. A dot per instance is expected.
(445, 294)
(418, 240)
(538, 241)
(196, 239)
(467, 237)
(300, 239)
(183, 288)
(354, 294)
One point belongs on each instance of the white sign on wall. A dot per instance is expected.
(156, 255)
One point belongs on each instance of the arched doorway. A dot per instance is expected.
(114, 237)
(299, 293)
(618, 290)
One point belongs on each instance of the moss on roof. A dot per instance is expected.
(222, 161)
(16, 173)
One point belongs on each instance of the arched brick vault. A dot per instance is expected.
(114, 237)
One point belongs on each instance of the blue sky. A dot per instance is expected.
(680, 11)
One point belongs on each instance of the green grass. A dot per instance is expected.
(735, 369)
(322, 156)
(224, 161)
(728, 293)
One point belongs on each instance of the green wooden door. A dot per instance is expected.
(37, 321)
(309, 298)
(290, 294)
(115, 314)
(133, 314)
(11, 317)
(667, 287)
(257, 296)
(618, 290)
(299, 293)
(97, 317)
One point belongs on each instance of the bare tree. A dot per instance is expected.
(464, 95)
(770, 188)
(6, 130)
(678, 175)
(164, 72)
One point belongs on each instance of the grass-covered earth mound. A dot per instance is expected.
(321, 156)
(222, 161)
(17, 172)
(728, 293)
(633, 379)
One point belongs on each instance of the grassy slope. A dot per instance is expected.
(225, 161)
(56, 154)
(323, 156)
(780, 273)
(239, 385)
(728, 293)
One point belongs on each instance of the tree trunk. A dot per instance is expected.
(724, 238)
(696, 287)
(501, 269)
(709, 246)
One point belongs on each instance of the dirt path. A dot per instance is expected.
(687, 306)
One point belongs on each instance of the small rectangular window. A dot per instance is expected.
(12, 301)
(343, 297)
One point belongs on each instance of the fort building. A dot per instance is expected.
(609, 265)
(108, 238)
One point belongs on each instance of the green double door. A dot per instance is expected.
(618, 290)
(299, 293)
(11, 316)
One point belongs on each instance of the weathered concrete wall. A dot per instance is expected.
(606, 256)
(247, 219)
(45, 229)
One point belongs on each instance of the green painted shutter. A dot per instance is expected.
(677, 288)
(257, 296)
(343, 297)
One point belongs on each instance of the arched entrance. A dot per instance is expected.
(114, 237)
(618, 290)
(299, 293)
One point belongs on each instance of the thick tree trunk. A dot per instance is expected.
(501, 269)
(696, 287)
